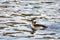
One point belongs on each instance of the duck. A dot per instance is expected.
(35, 26)
(38, 26)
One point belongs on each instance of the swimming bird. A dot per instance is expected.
(35, 26)
(38, 26)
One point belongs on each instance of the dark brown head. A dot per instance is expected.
(31, 20)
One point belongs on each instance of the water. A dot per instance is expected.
(15, 16)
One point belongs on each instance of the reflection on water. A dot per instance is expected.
(16, 19)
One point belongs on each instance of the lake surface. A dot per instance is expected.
(15, 19)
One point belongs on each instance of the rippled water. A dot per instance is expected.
(15, 16)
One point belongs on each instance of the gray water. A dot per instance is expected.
(14, 16)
